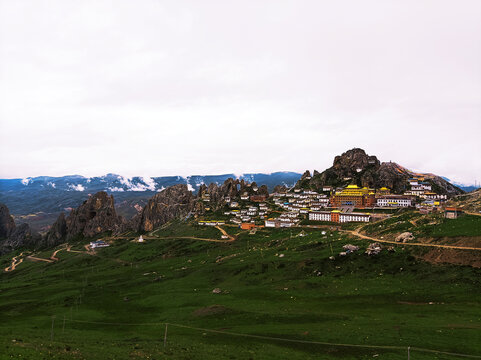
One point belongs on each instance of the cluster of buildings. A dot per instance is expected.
(423, 189)
(329, 204)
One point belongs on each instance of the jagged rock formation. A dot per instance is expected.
(231, 188)
(280, 189)
(356, 167)
(7, 224)
(14, 236)
(57, 233)
(95, 216)
(175, 201)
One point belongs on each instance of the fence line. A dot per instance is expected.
(262, 337)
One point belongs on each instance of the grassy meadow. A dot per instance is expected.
(273, 284)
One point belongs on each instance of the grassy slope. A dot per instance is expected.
(356, 299)
(430, 226)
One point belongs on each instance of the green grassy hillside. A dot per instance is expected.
(273, 284)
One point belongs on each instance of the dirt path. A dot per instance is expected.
(15, 262)
(192, 238)
(53, 256)
(34, 258)
(472, 213)
(413, 222)
(362, 236)
(231, 238)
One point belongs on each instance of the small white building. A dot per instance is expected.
(98, 244)
(320, 215)
(394, 201)
(270, 223)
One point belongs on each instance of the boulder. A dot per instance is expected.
(405, 237)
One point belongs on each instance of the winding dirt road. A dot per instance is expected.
(34, 258)
(15, 262)
(231, 238)
(365, 237)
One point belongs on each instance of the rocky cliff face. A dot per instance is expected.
(57, 233)
(173, 202)
(356, 167)
(7, 224)
(231, 188)
(95, 216)
(14, 236)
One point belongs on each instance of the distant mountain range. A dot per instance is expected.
(39, 200)
(55, 194)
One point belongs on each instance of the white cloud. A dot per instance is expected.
(26, 181)
(190, 187)
(148, 183)
(115, 189)
(78, 187)
(51, 184)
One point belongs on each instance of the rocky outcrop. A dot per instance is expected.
(280, 189)
(173, 202)
(95, 216)
(57, 233)
(215, 197)
(356, 167)
(14, 236)
(23, 236)
(7, 224)
(405, 237)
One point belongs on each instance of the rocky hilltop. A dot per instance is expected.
(173, 202)
(95, 216)
(12, 236)
(231, 188)
(7, 224)
(356, 167)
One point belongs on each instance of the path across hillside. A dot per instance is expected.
(230, 237)
(472, 213)
(15, 262)
(362, 236)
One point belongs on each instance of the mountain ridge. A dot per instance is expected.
(355, 166)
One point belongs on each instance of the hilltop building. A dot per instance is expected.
(353, 195)
(383, 191)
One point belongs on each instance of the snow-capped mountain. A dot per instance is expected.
(54, 194)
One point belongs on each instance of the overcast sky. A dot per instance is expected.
(208, 87)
